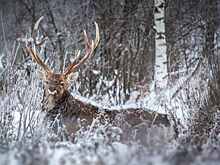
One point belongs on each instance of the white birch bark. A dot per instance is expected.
(160, 43)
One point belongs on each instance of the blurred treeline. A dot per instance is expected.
(125, 60)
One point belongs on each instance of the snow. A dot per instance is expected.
(37, 144)
(147, 104)
(30, 142)
(34, 143)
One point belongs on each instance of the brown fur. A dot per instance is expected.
(75, 113)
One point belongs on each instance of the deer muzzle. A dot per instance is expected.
(52, 91)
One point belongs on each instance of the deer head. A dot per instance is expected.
(56, 84)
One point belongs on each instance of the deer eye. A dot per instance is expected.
(46, 82)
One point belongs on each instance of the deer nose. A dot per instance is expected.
(52, 91)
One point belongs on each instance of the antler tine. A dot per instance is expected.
(90, 46)
(36, 27)
(38, 60)
(32, 52)
(97, 36)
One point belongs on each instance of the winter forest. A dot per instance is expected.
(109, 82)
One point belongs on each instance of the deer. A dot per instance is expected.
(58, 102)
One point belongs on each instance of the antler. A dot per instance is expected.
(37, 59)
(90, 46)
(32, 52)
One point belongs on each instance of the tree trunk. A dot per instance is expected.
(160, 42)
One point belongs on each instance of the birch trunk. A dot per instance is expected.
(160, 43)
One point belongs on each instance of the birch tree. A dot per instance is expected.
(160, 43)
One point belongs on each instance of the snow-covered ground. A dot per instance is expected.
(24, 139)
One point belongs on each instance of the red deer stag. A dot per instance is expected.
(59, 102)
